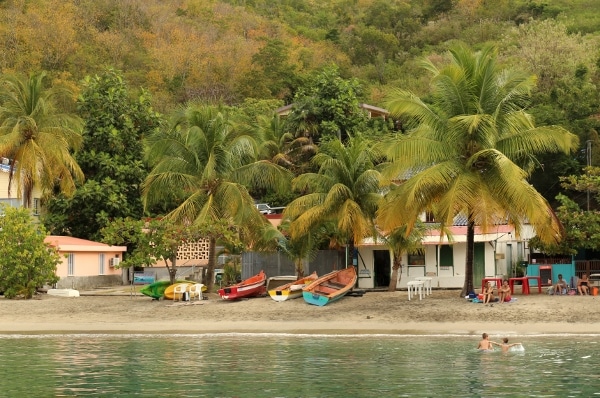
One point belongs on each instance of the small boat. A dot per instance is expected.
(330, 287)
(251, 287)
(169, 293)
(293, 289)
(157, 289)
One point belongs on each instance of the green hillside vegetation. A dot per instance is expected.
(256, 55)
(235, 49)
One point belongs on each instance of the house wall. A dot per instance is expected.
(497, 262)
(86, 271)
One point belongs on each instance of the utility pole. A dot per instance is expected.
(589, 164)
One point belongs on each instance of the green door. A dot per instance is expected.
(478, 264)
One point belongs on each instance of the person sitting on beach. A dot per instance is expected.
(505, 346)
(488, 293)
(583, 286)
(560, 285)
(504, 292)
(485, 343)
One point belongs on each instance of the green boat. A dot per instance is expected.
(155, 290)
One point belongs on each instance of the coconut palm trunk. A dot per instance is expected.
(468, 286)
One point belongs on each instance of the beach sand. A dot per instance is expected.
(443, 312)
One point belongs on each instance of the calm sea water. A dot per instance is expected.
(295, 366)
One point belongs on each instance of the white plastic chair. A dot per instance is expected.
(179, 291)
(196, 290)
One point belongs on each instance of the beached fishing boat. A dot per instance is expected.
(330, 287)
(251, 287)
(293, 289)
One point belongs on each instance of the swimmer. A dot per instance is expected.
(505, 346)
(485, 344)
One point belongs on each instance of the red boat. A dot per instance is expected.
(251, 287)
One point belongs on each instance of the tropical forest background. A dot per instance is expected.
(150, 60)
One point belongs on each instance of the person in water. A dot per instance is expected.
(485, 343)
(505, 346)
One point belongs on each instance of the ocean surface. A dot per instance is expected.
(257, 365)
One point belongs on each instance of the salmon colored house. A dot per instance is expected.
(87, 264)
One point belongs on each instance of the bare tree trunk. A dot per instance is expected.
(468, 286)
(394, 279)
(212, 261)
(172, 268)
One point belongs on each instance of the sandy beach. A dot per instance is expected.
(443, 312)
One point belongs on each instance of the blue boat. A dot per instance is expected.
(330, 287)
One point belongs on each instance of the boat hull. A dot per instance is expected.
(330, 287)
(293, 289)
(251, 287)
(170, 291)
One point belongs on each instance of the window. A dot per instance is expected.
(70, 264)
(36, 206)
(416, 259)
(101, 264)
(446, 256)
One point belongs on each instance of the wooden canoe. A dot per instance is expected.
(330, 287)
(292, 290)
(251, 287)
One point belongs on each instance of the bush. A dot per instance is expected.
(26, 261)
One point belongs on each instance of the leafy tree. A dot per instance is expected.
(151, 241)
(327, 106)
(469, 151)
(345, 192)
(582, 230)
(203, 157)
(26, 261)
(37, 137)
(582, 225)
(111, 158)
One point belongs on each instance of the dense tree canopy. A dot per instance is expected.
(111, 159)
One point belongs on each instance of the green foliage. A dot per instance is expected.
(38, 137)
(26, 261)
(151, 241)
(469, 151)
(232, 273)
(111, 158)
(581, 229)
(327, 106)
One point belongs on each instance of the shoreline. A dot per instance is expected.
(375, 313)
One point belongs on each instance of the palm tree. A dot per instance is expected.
(345, 191)
(209, 165)
(400, 242)
(470, 151)
(37, 137)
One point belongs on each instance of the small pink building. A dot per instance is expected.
(86, 264)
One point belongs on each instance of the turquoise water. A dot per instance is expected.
(295, 366)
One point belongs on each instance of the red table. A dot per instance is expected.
(539, 282)
(485, 280)
(525, 282)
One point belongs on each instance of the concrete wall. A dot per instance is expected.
(89, 282)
